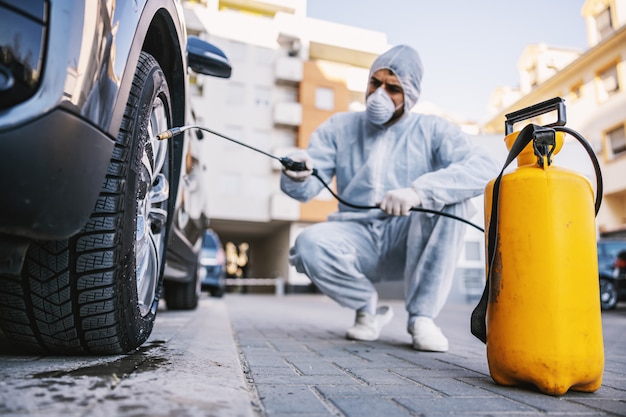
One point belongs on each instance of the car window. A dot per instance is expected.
(209, 243)
(208, 253)
(611, 249)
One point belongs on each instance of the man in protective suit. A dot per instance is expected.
(389, 157)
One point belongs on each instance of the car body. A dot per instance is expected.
(94, 206)
(212, 264)
(612, 283)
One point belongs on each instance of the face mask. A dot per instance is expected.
(379, 107)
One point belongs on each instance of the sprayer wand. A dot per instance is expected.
(286, 162)
(291, 165)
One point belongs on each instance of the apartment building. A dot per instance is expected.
(593, 84)
(290, 73)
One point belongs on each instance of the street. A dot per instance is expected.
(265, 355)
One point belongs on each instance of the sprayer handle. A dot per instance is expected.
(292, 165)
(538, 109)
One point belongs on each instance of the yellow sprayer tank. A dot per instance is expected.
(543, 316)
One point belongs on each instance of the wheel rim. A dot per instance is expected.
(607, 293)
(152, 213)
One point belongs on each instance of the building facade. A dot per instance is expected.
(290, 73)
(593, 84)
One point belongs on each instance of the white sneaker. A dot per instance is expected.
(367, 327)
(427, 336)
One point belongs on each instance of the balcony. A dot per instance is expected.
(288, 70)
(288, 114)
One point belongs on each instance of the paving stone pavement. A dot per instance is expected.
(297, 362)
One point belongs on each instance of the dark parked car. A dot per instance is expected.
(612, 284)
(212, 265)
(93, 206)
(618, 289)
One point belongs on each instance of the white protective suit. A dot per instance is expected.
(357, 247)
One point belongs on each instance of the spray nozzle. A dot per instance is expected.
(168, 134)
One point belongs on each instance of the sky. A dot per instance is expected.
(467, 47)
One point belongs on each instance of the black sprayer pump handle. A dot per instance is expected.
(538, 109)
(292, 165)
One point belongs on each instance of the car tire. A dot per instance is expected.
(98, 292)
(218, 292)
(608, 294)
(182, 295)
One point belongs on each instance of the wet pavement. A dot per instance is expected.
(189, 367)
(263, 355)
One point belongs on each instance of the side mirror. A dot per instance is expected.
(205, 58)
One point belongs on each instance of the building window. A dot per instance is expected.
(604, 23)
(324, 98)
(608, 82)
(262, 96)
(576, 91)
(616, 140)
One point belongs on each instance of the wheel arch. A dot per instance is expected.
(159, 31)
(166, 41)
(167, 46)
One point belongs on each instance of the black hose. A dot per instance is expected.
(594, 161)
(286, 161)
(419, 209)
(289, 164)
(578, 136)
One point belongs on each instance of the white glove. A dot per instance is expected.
(399, 202)
(300, 156)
